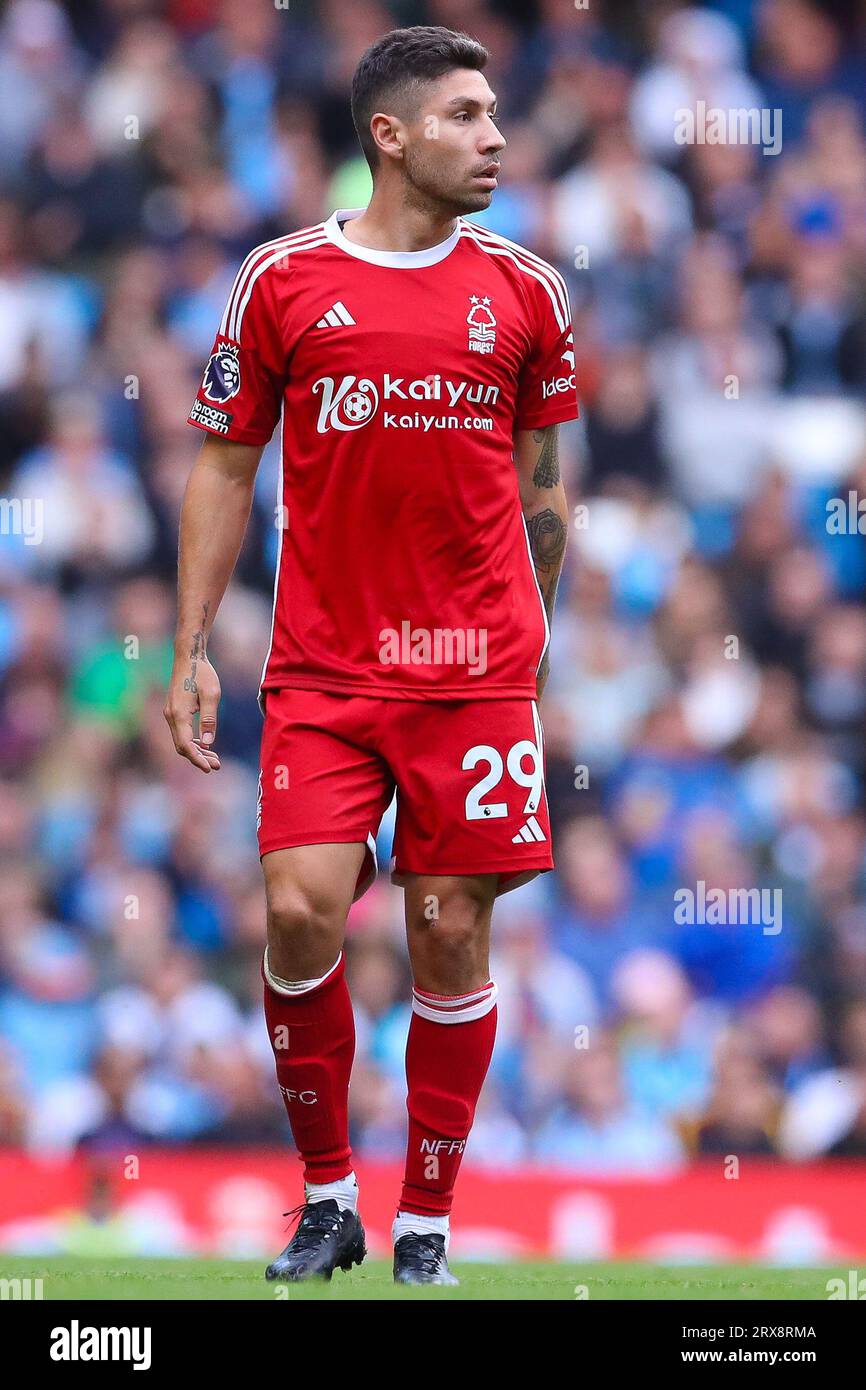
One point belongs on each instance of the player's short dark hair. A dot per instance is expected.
(403, 60)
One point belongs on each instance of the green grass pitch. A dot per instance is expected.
(168, 1280)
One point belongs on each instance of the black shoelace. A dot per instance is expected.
(425, 1254)
(314, 1225)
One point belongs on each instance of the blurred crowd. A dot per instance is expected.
(706, 711)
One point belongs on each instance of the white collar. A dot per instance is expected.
(397, 260)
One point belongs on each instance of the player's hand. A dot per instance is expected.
(188, 695)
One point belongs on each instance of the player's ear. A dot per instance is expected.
(389, 134)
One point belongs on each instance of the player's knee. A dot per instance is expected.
(454, 948)
(296, 915)
(457, 933)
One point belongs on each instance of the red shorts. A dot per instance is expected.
(469, 777)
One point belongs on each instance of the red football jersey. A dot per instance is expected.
(400, 377)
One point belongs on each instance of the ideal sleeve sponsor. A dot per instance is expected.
(547, 386)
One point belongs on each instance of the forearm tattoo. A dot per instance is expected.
(547, 537)
(547, 465)
(547, 531)
(197, 652)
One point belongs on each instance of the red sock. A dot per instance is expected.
(313, 1037)
(447, 1056)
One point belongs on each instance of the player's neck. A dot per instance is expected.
(387, 224)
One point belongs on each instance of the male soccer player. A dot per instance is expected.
(419, 365)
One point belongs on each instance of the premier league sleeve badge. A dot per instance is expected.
(222, 375)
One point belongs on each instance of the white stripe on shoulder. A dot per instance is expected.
(556, 277)
(240, 278)
(530, 265)
(246, 266)
(279, 255)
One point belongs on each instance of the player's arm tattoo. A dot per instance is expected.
(547, 529)
(547, 538)
(198, 652)
(545, 513)
(547, 466)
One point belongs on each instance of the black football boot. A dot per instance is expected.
(421, 1260)
(325, 1239)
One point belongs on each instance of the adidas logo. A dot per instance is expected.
(528, 832)
(336, 317)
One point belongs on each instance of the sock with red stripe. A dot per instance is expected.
(312, 1032)
(447, 1057)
